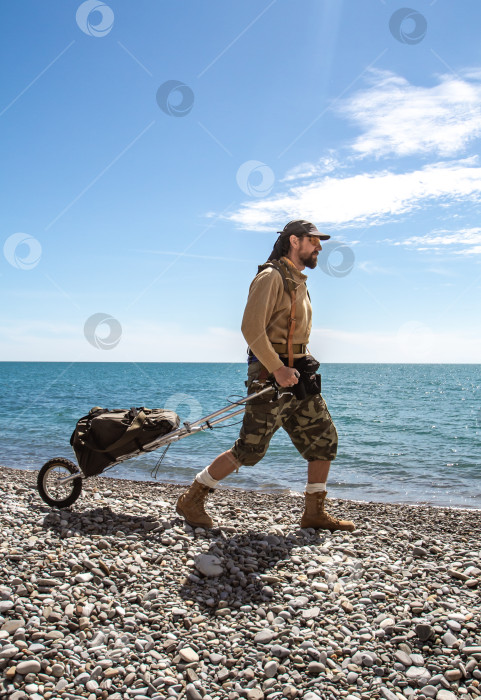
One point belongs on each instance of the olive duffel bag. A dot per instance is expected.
(103, 436)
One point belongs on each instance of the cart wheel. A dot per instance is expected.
(49, 487)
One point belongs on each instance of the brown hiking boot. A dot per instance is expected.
(191, 506)
(315, 516)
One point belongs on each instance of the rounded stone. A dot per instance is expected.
(58, 670)
(30, 666)
(255, 694)
(453, 674)
(264, 637)
(445, 695)
(188, 655)
(423, 631)
(209, 565)
(192, 693)
(270, 669)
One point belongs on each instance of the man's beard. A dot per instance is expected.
(309, 260)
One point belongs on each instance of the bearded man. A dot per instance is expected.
(276, 325)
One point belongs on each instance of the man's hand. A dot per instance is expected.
(286, 376)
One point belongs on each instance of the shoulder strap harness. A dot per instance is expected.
(291, 288)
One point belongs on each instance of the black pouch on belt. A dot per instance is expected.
(309, 381)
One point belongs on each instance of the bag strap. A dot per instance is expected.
(291, 288)
(136, 424)
(291, 327)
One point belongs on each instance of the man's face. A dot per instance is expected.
(309, 249)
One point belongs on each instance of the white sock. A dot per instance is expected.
(316, 487)
(205, 478)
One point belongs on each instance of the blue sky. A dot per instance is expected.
(151, 151)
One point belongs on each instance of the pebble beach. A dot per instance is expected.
(116, 597)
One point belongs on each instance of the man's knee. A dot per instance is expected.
(247, 455)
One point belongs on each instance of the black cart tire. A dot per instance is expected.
(51, 491)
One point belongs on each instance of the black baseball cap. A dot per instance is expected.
(301, 227)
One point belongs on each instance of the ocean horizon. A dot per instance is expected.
(408, 433)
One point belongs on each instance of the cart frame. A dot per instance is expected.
(74, 477)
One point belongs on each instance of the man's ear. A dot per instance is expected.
(294, 241)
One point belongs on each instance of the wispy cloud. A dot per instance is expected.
(326, 164)
(465, 241)
(403, 119)
(365, 198)
(395, 118)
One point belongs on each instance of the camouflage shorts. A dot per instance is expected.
(307, 422)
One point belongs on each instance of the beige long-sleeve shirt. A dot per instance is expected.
(267, 312)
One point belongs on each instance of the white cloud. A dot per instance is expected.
(403, 119)
(395, 119)
(366, 198)
(303, 171)
(466, 241)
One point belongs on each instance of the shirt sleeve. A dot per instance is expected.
(263, 294)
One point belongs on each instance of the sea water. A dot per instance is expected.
(407, 433)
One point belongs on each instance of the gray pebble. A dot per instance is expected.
(445, 695)
(188, 655)
(403, 658)
(30, 666)
(215, 659)
(419, 674)
(449, 639)
(264, 636)
(423, 631)
(270, 669)
(387, 694)
(255, 694)
(192, 693)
